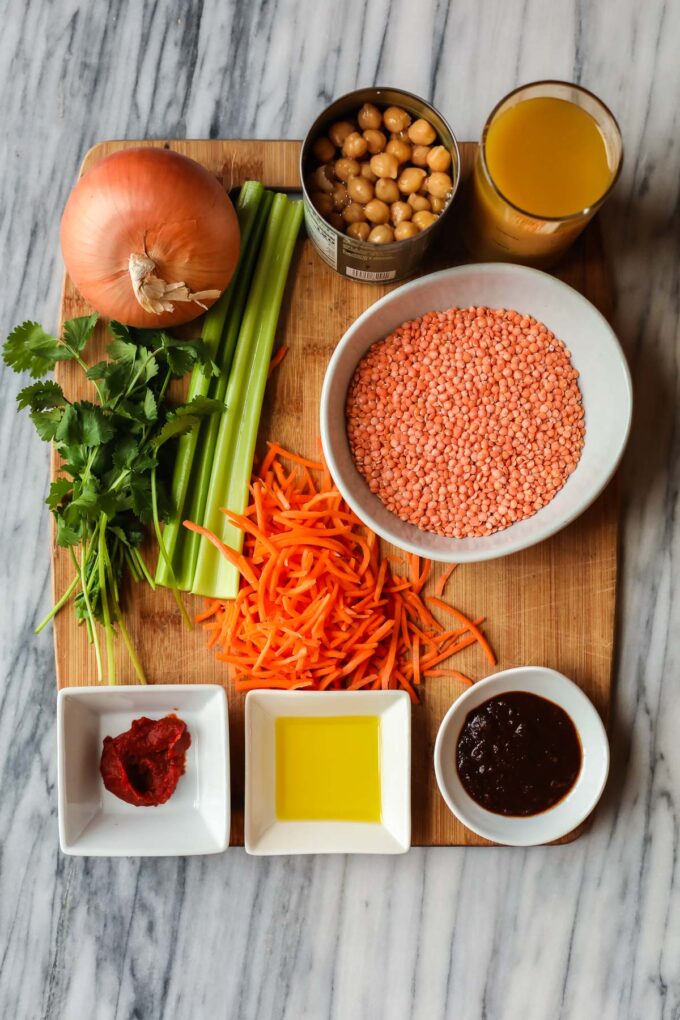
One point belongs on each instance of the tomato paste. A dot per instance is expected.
(143, 765)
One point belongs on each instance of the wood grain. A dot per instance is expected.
(553, 604)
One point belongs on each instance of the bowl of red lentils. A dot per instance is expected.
(476, 411)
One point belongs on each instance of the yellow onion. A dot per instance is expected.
(149, 237)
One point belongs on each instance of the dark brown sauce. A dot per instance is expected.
(518, 754)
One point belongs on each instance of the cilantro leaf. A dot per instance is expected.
(150, 406)
(59, 489)
(66, 535)
(41, 395)
(29, 348)
(122, 351)
(78, 331)
(183, 418)
(84, 424)
(119, 331)
(86, 505)
(125, 451)
(140, 490)
(181, 355)
(48, 422)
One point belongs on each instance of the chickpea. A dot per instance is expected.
(336, 220)
(353, 213)
(395, 118)
(339, 131)
(405, 229)
(400, 212)
(377, 211)
(439, 159)
(424, 219)
(400, 136)
(401, 150)
(369, 116)
(384, 164)
(340, 197)
(421, 132)
(437, 204)
(323, 149)
(365, 171)
(354, 146)
(419, 154)
(322, 179)
(322, 202)
(375, 140)
(419, 202)
(346, 168)
(386, 190)
(360, 190)
(410, 180)
(439, 185)
(382, 234)
(359, 231)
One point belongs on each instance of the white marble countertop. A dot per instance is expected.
(590, 930)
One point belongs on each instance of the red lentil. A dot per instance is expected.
(465, 421)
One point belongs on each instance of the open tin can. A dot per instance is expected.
(362, 260)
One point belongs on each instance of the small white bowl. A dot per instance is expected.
(596, 353)
(95, 823)
(265, 834)
(568, 813)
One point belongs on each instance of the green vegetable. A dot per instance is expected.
(111, 477)
(192, 470)
(237, 432)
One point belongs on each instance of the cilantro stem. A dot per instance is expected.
(144, 570)
(163, 553)
(132, 566)
(88, 605)
(131, 651)
(103, 594)
(60, 604)
(83, 364)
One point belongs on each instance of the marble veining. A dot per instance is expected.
(579, 932)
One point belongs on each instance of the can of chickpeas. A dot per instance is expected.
(380, 168)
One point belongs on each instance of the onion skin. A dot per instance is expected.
(155, 202)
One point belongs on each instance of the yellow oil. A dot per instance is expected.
(548, 157)
(328, 768)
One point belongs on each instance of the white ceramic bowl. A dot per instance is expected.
(95, 823)
(596, 353)
(265, 834)
(568, 813)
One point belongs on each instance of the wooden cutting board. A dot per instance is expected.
(552, 605)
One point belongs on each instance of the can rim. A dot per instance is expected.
(455, 160)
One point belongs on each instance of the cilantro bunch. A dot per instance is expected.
(114, 465)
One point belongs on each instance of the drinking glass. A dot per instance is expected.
(499, 230)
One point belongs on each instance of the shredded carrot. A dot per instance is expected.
(472, 627)
(450, 672)
(441, 583)
(277, 359)
(318, 607)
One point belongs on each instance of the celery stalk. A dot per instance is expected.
(200, 478)
(238, 426)
(249, 202)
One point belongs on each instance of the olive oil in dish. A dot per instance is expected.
(328, 768)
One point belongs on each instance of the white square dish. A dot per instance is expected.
(94, 822)
(265, 834)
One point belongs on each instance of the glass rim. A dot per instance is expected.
(570, 217)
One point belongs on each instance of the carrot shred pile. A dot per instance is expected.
(318, 607)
